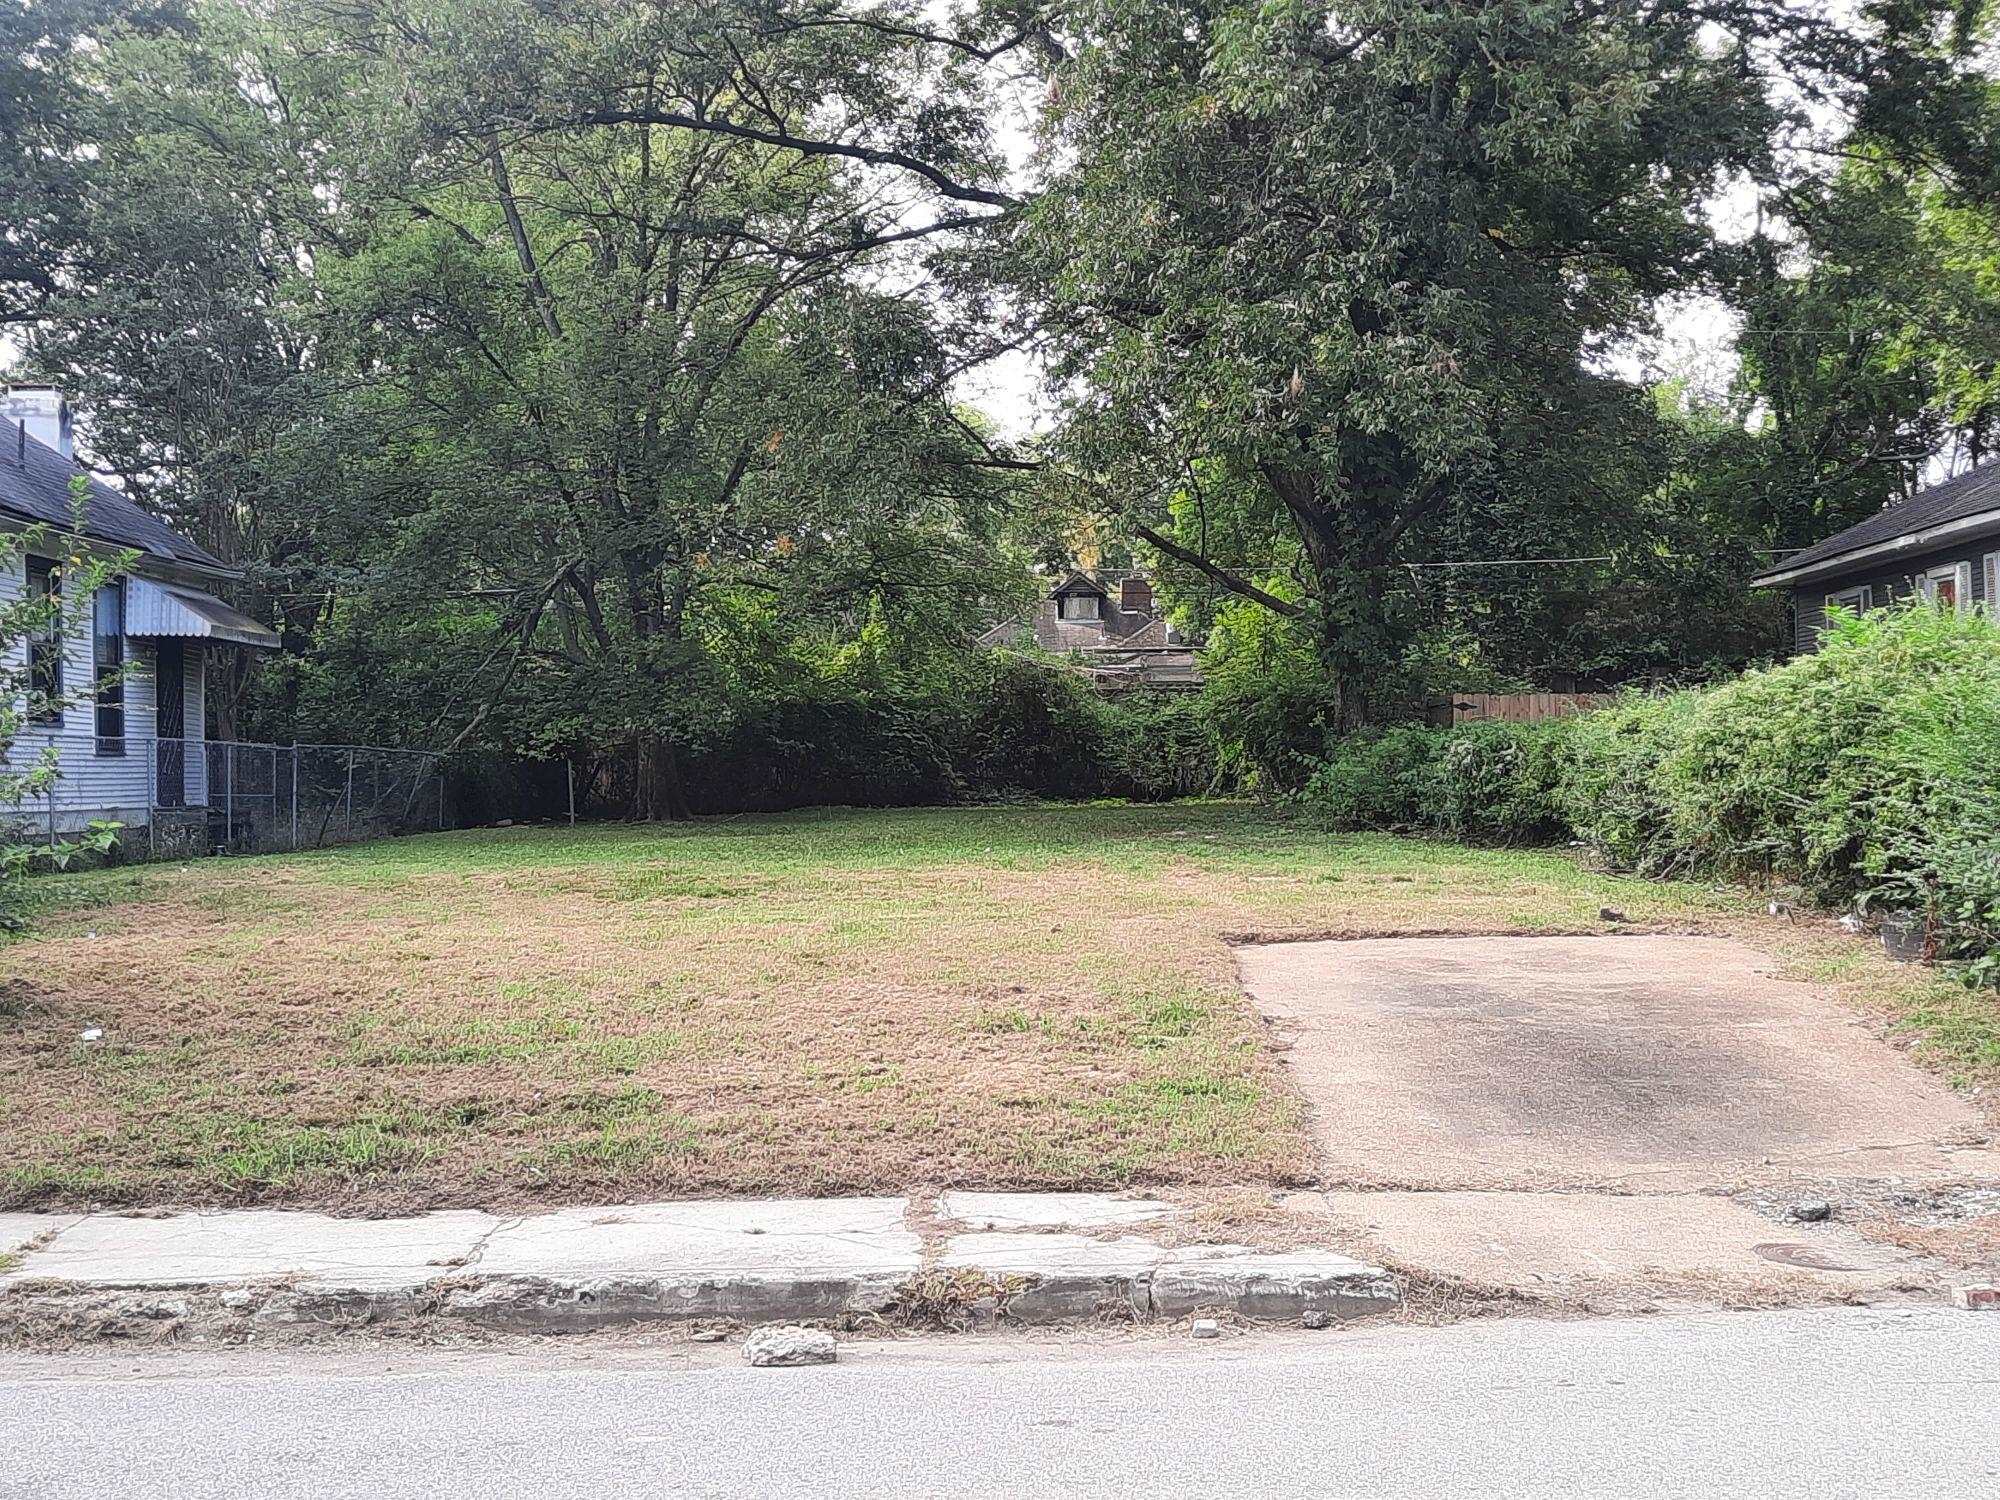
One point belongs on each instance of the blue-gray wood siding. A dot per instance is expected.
(1889, 581)
(92, 784)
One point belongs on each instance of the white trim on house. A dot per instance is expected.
(1860, 599)
(170, 569)
(1913, 541)
(1993, 583)
(1080, 606)
(1958, 574)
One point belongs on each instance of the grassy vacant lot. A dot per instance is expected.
(817, 1003)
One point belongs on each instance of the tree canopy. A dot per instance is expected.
(1353, 273)
(578, 378)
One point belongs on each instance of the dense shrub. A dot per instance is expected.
(1388, 780)
(1609, 791)
(975, 728)
(1868, 773)
(1156, 745)
(1267, 700)
(1491, 782)
(1500, 783)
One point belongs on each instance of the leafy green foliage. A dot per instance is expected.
(576, 381)
(551, 391)
(1864, 771)
(1388, 780)
(1500, 783)
(1492, 783)
(47, 103)
(1267, 695)
(1868, 773)
(1158, 745)
(1331, 280)
(1612, 788)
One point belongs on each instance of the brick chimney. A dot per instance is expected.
(42, 414)
(1135, 595)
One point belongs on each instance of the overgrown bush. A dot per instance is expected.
(1867, 772)
(1609, 790)
(1267, 699)
(1490, 782)
(1389, 780)
(1501, 783)
(1157, 745)
(969, 728)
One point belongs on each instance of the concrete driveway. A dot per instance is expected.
(1542, 1110)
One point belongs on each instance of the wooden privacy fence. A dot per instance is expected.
(1516, 708)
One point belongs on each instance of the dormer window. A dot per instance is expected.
(1081, 607)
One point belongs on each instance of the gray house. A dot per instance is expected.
(1941, 544)
(132, 746)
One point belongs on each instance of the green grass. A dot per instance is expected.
(1957, 1030)
(821, 1002)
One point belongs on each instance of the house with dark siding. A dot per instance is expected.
(1942, 544)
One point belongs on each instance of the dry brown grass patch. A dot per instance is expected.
(1037, 998)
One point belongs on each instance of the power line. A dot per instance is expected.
(1540, 562)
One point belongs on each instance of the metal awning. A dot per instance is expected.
(154, 609)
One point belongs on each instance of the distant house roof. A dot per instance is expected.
(1127, 644)
(34, 487)
(1152, 634)
(1963, 507)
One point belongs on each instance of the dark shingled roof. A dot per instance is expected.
(34, 486)
(1972, 493)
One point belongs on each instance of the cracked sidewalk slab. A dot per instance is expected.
(1558, 1244)
(754, 1260)
(1057, 1276)
(573, 1269)
(313, 1251)
(984, 1211)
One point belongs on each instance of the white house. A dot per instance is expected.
(135, 748)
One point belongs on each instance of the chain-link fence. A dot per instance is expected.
(180, 797)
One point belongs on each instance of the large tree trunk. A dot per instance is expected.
(1357, 643)
(226, 685)
(660, 791)
(1357, 640)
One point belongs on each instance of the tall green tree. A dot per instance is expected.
(1361, 257)
(181, 325)
(532, 362)
(1871, 343)
(48, 120)
(620, 386)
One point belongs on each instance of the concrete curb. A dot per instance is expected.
(571, 1270)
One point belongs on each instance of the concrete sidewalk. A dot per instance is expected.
(1015, 1257)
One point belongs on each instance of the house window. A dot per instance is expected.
(1081, 607)
(1950, 585)
(1993, 583)
(108, 643)
(45, 646)
(1855, 601)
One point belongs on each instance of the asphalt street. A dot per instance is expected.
(1820, 1403)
